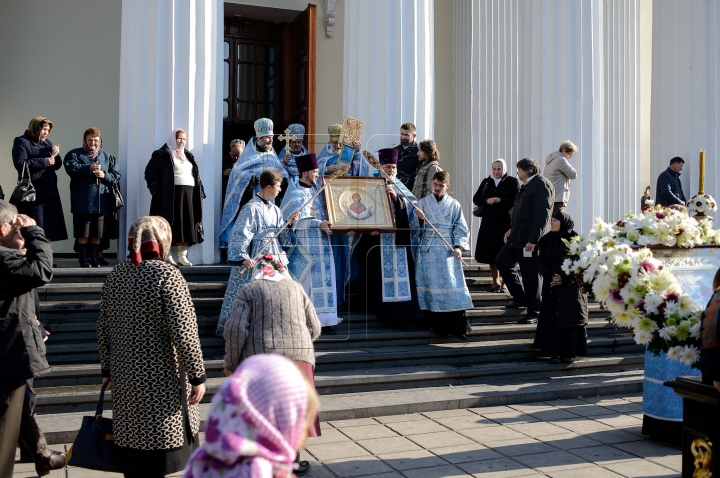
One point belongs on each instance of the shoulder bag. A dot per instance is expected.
(24, 193)
(94, 446)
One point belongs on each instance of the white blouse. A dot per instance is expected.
(183, 173)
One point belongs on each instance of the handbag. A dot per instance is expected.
(199, 233)
(116, 200)
(24, 193)
(477, 211)
(94, 446)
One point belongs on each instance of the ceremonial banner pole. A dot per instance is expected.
(376, 164)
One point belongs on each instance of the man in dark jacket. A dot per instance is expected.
(669, 188)
(530, 221)
(408, 161)
(25, 263)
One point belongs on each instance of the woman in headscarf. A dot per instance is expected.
(258, 420)
(92, 172)
(150, 353)
(496, 196)
(273, 314)
(173, 178)
(34, 151)
(561, 329)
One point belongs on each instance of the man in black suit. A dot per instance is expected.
(669, 188)
(408, 161)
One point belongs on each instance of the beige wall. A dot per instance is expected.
(444, 94)
(60, 60)
(645, 80)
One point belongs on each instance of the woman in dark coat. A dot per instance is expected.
(496, 195)
(43, 159)
(92, 172)
(561, 329)
(173, 178)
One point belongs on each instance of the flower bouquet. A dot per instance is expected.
(701, 204)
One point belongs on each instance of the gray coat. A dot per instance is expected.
(559, 172)
(423, 179)
(271, 318)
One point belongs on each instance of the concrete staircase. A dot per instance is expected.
(365, 358)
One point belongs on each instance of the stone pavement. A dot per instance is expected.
(594, 437)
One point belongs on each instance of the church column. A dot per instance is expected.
(171, 77)
(531, 74)
(388, 68)
(685, 91)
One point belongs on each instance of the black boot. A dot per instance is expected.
(92, 255)
(32, 437)
(83, 252)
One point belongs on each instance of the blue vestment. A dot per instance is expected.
(311, 261)
(253, 234)
(328, 157)
(250, 164)
(291, 167)
(439, 276)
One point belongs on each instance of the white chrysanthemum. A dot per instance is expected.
(601, 292)
(687, 305)
(643, 337)
(671, 308)
(623, 319)
(652, 302)
(695, 331)
(674, 353)
(647, 324)
(690, 355)
(668, 332)
(661, 280)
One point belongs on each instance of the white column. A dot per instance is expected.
(686, 91)
(171, 77)
(530, 74)
(388, 68)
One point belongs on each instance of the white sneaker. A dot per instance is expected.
(182, 256)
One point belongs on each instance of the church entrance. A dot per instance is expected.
(269, 71)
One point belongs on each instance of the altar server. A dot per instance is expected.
(441, 287)
(255, 233)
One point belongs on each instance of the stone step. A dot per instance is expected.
(62, 427)
(210, 273)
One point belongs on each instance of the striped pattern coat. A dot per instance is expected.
(271, 317)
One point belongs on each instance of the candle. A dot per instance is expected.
(702, 172)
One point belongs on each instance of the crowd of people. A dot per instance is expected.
(290, 272)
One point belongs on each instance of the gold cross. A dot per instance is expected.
(315, 212)
(287, 138)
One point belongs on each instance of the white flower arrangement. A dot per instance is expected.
(702, 204)
(638, 290)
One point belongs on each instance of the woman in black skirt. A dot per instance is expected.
(496, 196)
(562, 325)
(92, 172)
(173, 178)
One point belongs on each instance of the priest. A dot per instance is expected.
(244, 180)
(328, 158)
(255, 232)
(387, 269)
(296, 149)
(442, 291)
(311, 261)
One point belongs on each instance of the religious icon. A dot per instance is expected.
(359, 204)
(351, 130)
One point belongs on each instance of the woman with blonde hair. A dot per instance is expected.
(40, 158)
(258, 420)
(173, 178)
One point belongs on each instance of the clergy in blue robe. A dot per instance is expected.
(244, 183)
(387, 269)
(255, 233)
(329, 156)
(311, 261)
(442, 291)
(296, 149)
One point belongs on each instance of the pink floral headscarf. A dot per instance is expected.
(175, 152)
(256, 422)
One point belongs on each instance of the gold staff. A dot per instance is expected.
(376, 164)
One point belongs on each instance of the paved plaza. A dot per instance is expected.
(595, 437)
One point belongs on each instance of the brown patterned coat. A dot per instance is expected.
(147, 329)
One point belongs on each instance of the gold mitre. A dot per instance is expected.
(335, 130)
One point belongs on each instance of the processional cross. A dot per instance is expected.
(287, 137)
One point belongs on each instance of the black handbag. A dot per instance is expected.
(24, 193)
(116, 200)
(477, 211)
(199, 233)
(94, 447)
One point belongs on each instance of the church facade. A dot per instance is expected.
(632, 83)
